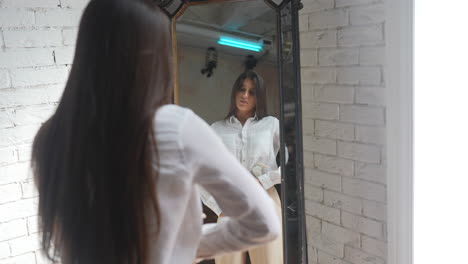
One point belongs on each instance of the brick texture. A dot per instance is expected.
(343, 66)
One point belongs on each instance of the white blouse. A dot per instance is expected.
(255, 145)
(192, 155)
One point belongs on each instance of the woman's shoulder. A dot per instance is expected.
(219, 124)
(270, 120)
(171, 116)
(174, 112)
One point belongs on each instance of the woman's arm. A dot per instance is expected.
(251, 219)
(273, 177)
(270, 179)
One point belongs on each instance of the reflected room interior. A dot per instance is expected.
(216, 42)
(224, 34)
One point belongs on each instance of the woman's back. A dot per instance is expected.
(180, 209)
(191, 154)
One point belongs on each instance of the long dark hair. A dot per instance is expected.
(94, 159)
(260, 93)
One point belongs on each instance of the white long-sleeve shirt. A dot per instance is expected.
(255, 144)
(192, 155)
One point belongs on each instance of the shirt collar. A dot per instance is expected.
(233, 119)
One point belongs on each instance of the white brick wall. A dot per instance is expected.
(16, 38)
(355, 255)
(359, 75)
(69, 36)
(334, 94)
(321, 110)
(322, 242)
(28, 96)
(24, 245)
(26, 58)
(29, 3)
(4, 250)
(32, 225)
(360, 35)
(342, 67)
(362, 224)
(37, 39)
(334, 130)
(4, 79)
(329, 259)
(14, 173)
(16, 18)
(334, 56)
(323, 179)
(21, 259)
(318, 75)
(374, 246)
(343, 201)
(64, 55)
(8, 155)
(369, 14)
(10, 193)
(329, 19)
(333, 164)
(320, 145)
(341, 234)
(318, 39)
(362, 114)
(38, 76)
(323, 212)
(58, 17)
(317, 5)
(360, 152)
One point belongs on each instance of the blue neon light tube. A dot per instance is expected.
(237, 43)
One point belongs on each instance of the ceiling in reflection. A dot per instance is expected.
(201, 25)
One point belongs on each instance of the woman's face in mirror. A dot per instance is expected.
(245, 97)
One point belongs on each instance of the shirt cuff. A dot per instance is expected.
(270, 179)
(209, 201)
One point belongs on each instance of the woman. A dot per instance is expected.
(253, 137)
(117, 168)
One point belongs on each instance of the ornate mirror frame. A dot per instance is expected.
(292, 182)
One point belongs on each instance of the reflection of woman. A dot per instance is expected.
(117, 167)
(253, 137)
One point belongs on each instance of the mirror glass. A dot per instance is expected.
(227, 55)
(251, 28)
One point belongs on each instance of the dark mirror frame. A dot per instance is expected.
(292, 182)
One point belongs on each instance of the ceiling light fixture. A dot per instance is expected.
(241, 44)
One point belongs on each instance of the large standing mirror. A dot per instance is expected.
(236, 65)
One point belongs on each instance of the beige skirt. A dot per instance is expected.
(271, 253)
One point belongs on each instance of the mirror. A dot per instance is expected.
(237, 67)
(227, 52)
(216, 44)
